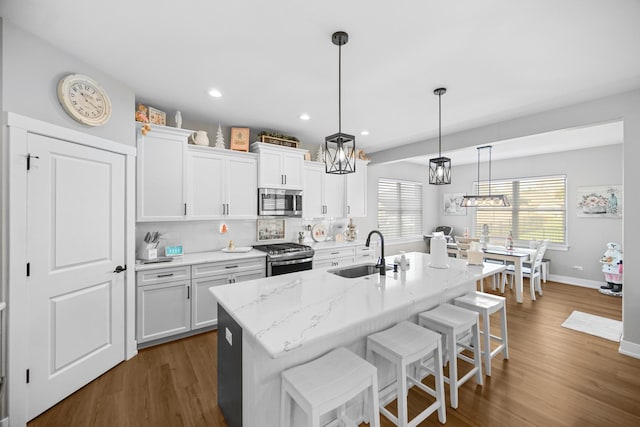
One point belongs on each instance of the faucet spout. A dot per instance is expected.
(381, 262)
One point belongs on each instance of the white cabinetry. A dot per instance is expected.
(176, 300)
(356, 194)
(279, 167)
(365, 253)
(334, 257)
(323, 194)
(221, 184)
(163, 303)
(204, 309)
(160, 174)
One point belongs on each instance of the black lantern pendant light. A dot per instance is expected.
(440, 167)
(486, 200)
(340, 148)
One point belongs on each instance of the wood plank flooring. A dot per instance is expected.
(554, 377)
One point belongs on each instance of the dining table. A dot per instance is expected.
(518, 256)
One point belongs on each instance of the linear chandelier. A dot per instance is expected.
(487, 200)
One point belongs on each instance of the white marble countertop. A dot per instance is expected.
(285, 312)
(201, 258)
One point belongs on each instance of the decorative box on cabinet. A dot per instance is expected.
(221, 184)
(160, 166)
(356, 192)
(323, 194)
(334, 257)
(279, 167)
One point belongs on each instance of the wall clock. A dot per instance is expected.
(84, 100)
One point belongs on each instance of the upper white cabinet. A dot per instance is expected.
(161, 189)
(356, 195)
(279, 167)
(221, 184)
(323, 194)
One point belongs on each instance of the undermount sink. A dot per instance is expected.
(354, 271)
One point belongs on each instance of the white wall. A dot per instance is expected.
(31, 71)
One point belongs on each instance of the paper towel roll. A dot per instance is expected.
(439, 253)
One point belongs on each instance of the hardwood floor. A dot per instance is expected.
(554, 377)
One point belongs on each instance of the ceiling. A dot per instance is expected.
(274, 60)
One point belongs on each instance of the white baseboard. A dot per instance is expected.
(629, 349)
(585, 283)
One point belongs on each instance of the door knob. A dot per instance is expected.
(120, 269)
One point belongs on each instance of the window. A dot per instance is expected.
(538, 209)
(399, 208)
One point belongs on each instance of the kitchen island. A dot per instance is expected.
(269, 325)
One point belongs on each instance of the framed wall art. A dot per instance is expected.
(157, 117)
(270, 229)
(604, 201)
(451, 204)
(239, 139)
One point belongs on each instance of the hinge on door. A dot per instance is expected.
(28, 269)
(29, 157)
(27, 376)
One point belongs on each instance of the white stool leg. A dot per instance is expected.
(476, 353)
(315, 418)
(486, 337)
(374, 415)
(439, 384)
(503, 325)
(453, 368)
(402, 394)
(285, 408)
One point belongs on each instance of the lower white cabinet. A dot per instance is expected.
(175, 300)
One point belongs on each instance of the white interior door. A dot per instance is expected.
(75, 238)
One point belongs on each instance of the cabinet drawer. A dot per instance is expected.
(228, 267)
(334, 253)
(163, 275)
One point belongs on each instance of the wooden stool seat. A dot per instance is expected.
(406, 344)
(328, 383)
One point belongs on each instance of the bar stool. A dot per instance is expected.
(455, 324)
(328, 383)
(485, 305)
(405, 344)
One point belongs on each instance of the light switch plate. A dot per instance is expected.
(228, 336)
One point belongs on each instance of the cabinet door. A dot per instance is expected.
(160, 180)
(312, 196)
(293, 169)
(357, 192)
(271, 175)
(204, 308)
(206, 187)
(163, 310)
(334, 195)
(242, 188)
(248, 275)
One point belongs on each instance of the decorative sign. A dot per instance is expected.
(157, 117)
(603, 201)
(239, 139)
(270, 229)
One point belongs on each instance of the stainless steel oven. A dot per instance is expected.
(283, 258)
(278, 202)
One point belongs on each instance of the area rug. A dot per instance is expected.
(595, 325)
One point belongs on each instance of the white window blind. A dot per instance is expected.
(399, 208)
(538, 209)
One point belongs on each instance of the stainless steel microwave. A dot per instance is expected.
(278, 202)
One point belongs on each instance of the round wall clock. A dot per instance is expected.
(84, 100)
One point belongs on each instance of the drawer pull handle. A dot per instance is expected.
(335, 253)
(231, 266)
(165, 275)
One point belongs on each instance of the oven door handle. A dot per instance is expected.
(291, 261)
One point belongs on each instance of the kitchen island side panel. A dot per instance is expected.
(229, 368)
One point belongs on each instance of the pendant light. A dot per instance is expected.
(440, 167)
(340, 148)
(488, 200)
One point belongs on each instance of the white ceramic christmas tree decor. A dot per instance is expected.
(219, 138)
(320, 154)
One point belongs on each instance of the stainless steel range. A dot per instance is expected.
(285, 258)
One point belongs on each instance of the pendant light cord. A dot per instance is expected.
(340, 88)
(439, 124)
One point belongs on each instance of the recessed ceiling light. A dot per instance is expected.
(215, 93)
(364, 133)
(304, 116)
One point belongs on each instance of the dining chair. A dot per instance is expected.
(463, 244)
(533, 272)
